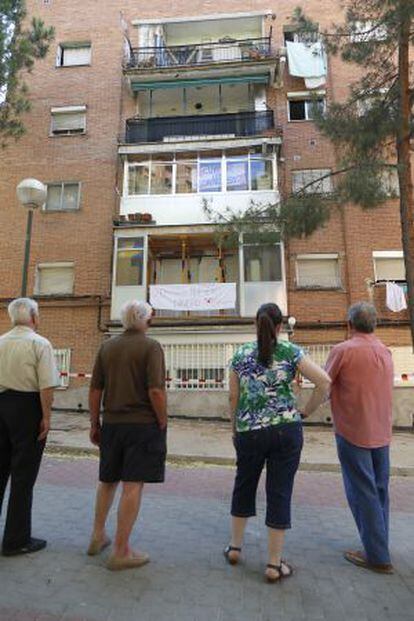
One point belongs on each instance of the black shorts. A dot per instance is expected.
(132, 452)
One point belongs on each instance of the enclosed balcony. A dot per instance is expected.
(174, 128)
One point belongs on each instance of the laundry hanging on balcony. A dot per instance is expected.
(193, 297)
(395, 297)
(307, 61)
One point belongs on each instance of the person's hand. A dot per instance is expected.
(44, 429)
(95, 434)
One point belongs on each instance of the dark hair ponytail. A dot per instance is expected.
(268, 317)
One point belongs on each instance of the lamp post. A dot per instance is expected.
(31, 193)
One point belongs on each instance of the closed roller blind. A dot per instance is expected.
(318, 273)
(68, 121)
(55, 280)
(389, 268)
(76, 56)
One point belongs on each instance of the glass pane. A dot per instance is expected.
(262, 263)
(261, 173)
(210, 176)
(53, 197)
(314, 107)
(161, 179)
(70, 196)
(130, 261)
(297, 110)
(237, 175)
(186, 178)
(138, 179)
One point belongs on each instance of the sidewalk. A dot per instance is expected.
(210, 442)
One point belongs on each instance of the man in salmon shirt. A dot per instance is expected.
(361, 371)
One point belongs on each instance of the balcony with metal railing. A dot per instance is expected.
(178, 128)
(227, 50)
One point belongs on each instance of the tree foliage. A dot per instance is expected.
(21, 44)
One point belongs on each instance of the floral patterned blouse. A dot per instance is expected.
(266, 396)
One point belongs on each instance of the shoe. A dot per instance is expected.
(358, 559)
(116, 563)
(96, 546)
(34, 545)
(274, 573)
(232, 554)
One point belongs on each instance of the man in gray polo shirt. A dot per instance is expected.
(28, 376)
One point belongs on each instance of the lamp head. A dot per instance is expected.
(31, 193)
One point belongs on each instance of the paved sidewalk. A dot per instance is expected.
(210, 442)
(184, 526)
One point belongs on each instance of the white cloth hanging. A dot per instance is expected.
(194, 297)
(395, 298)
(308, 62)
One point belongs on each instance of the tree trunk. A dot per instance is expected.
(404, 160)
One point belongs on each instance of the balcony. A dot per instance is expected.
(178, 128)
(200, 54)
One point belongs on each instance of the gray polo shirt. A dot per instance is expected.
(27, 362)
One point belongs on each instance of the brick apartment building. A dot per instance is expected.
(141, 112)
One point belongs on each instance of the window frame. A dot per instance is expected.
(51, 265)
(62, 184)
(56, 111)
(310, 191)
(69, 45)
(130, 238)
(318, 256)
(306, 97)
(262, 246)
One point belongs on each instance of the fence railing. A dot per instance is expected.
(252, 123)
(62, 359)
(226, 51)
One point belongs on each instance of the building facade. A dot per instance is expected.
(149, 122)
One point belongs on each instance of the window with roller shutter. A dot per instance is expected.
(68, 120)
(318, 271)
(73, 54)
(55, 278)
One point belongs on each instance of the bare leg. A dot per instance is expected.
(105, 494)
(128, 509)
(276, 538)
(238, 525)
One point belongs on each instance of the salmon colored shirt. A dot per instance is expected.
(362, 376)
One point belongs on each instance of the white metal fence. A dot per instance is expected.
(62, 359)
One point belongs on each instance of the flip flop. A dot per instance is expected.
(96, 546)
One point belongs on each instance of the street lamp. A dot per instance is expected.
(31, 193)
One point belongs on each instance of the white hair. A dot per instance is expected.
(22, 310)
(135, 315)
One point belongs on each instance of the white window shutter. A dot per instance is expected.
(68, 121)
(73, 56)
(389, 268)
(317, 272)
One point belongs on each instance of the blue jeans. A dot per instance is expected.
(366, 475)
(278, 447)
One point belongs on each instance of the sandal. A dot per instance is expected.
(232, 560)
(280, 573)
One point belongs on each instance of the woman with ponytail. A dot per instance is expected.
(267, 430)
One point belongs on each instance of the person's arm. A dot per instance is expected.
(46, 400)
(156, 384)
(95, 398)
(234, 390)
(320, 379)
(158, 398)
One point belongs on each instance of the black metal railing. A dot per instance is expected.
(184, 127)
(225, 51)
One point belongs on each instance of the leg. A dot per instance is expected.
(281, 467)
(5, 459)
(381, 462)
(364, 500)
(27, 451)
(128, 509)
(250, 462)
(104, 498)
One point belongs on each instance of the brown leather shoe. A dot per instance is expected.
(359, 559)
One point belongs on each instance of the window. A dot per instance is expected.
(389, 265)
(62, 359)
(73, 54)
(130, 261)
(364, 31)
(236, 173)
(304, 109)
(68, 120)
(300, 37)
(262, 263)
(318, 271)
(63, 196)
(54, 279)
(301, 179)
(390, 182)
